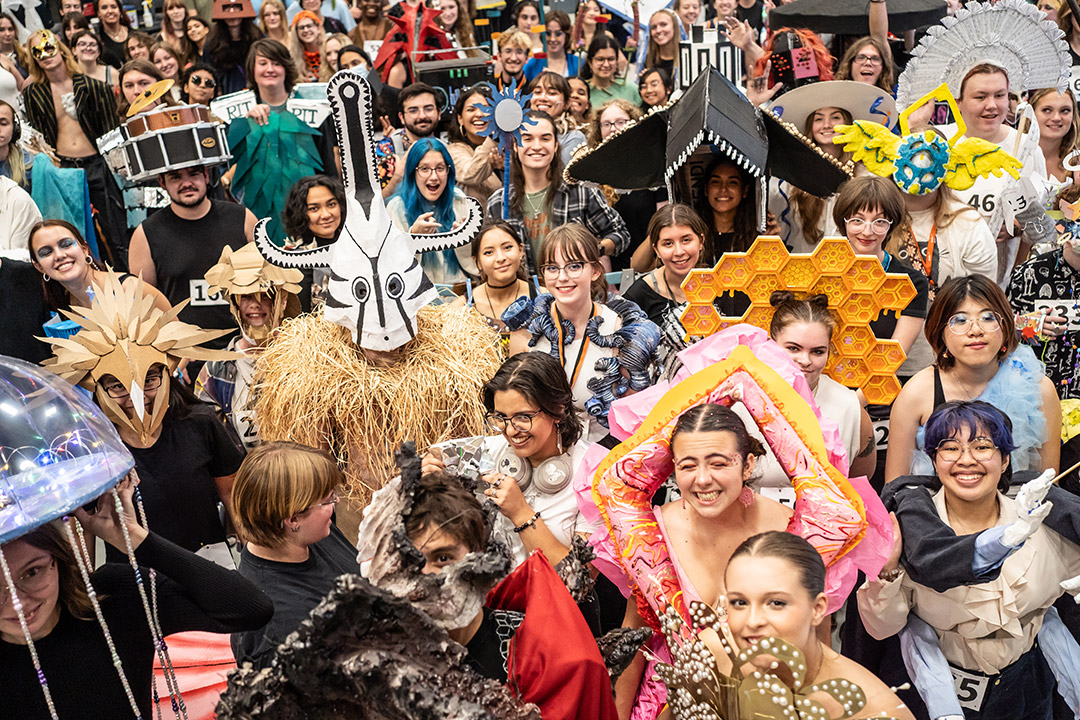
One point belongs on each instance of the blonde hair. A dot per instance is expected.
(324, 67)
(15, 152)
(37, 75)
(266, 4)
(515, 38)
(576, 244)
(276, 481)
(652, 55)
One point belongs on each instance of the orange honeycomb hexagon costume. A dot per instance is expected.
(858, 289)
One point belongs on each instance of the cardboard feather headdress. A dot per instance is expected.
(376, 284)
(1012, 34)
(124, 336)
(246, 272)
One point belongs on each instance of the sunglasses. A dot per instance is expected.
(198, 81)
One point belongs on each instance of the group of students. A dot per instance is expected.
(973, 575)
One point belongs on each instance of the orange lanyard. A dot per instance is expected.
(928, 258)
(584, 344)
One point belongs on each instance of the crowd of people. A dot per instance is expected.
(522, 310)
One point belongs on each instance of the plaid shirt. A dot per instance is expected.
(572, 203)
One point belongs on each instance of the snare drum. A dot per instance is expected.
(157, 151)
(166, 138)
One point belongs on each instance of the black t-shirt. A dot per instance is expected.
(183, 250)
(192, 593)
(176, 478)
(885, 324)
(295, 588)
(22, 311)
(489, 648)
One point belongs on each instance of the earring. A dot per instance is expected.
(558, 435)
(89, 259)
(1004, 348)
(945, 354)
(746, 497)
(46, 277)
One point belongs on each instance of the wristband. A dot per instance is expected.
(530, 523)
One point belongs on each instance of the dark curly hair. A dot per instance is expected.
(294, 217)
(542, 381)
(191, 70)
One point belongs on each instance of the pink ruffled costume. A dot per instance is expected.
(843, 518)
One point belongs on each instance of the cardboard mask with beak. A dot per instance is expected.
(245, 272)
(125, 336)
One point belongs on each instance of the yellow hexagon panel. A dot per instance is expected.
(701, 320)
(833, 255)
(767, 254)
(858, 289)
(765, 284)
(799, 274)
(700, 286)
(886, 357)
(853, 340)
(865, 274)
(881, 389)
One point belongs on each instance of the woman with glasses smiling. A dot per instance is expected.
(868, 60)
(530, 405)
(601, 70)
(191, 594)
(571, 272)
(284, 497)
(989, 631)
(428, 201)
(972, 331)
(868, 210)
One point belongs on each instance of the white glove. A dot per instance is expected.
(1031, 509)
(1072, 585)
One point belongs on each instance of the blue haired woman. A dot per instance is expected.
(428, 201)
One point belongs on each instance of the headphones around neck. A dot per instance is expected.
(549, 477)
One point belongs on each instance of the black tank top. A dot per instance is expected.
(939, 391)
(183, 250)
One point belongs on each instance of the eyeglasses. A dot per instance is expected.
(522, 422)
(86, 46)
(306, 27)
(987, 320)
(117, 390)
(424, 171)
(33, 581)
(200, 81)
(331, 500)
(878, 227)
(573, 270)
(614, 124)
(981, 448)
(868, 59)
(604, 60)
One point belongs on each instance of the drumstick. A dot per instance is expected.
(1063, 474)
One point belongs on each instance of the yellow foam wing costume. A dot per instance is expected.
(874, 145)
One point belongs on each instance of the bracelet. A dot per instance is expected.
(530, 523)
(890, 575)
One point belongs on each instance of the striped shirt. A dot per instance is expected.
(95, 107)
